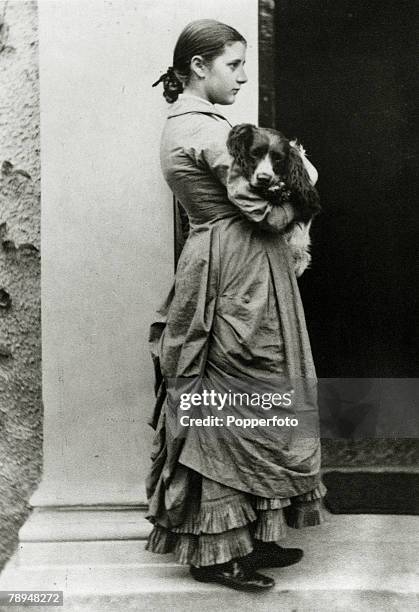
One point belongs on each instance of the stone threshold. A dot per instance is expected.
(351, 562)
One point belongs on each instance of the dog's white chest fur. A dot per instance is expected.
(298, 239)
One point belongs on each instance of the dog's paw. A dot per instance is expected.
(302, 260)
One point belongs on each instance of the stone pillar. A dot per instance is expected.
(107, 262)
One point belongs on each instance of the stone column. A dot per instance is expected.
(107, 262)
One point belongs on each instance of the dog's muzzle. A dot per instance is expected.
(263, 179)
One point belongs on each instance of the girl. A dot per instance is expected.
(220, 497)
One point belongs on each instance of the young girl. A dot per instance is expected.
(220, 497)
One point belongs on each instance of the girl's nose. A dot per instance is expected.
(242, 76)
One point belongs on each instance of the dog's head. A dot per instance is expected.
(267, 159)
(260, 153)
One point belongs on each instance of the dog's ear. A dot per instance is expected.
(300, 184)
(239, 141)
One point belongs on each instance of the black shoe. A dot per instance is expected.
(269, 554)
(232, 575)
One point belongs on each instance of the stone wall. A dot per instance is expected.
(20, 314)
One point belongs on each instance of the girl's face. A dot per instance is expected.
(225, 75)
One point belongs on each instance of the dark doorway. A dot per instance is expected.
(346, 86)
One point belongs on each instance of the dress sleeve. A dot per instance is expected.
(268, 216)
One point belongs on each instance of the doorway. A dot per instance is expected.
(345, 83)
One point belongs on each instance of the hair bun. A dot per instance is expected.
(172, 87)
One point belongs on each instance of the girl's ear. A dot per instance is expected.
(198, 66)
(239, 142)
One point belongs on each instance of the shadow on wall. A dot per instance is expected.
(20, 312)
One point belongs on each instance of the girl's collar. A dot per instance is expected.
(187, 103)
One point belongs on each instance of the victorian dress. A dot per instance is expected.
(233, 321)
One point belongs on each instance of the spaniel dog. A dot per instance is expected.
(274, 167)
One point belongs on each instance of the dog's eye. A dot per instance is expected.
(258, 152)
(278, 160)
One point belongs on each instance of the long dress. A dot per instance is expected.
(233, 322)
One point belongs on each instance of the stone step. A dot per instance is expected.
(352, 562)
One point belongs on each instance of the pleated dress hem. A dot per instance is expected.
(226, 529)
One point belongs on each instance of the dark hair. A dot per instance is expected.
(205, 37)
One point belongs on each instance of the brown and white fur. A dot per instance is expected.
(278, 169)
